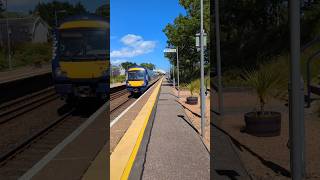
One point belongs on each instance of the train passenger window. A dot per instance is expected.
(136, 75)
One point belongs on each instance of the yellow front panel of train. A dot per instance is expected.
(83, 70)
(84, 24)
(135, 83)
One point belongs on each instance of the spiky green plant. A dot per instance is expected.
(194, 86)
(267, 82)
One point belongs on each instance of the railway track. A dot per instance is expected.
(15, 161)
(18, 107)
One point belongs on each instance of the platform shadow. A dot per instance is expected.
(269, 164)
(231, 174)
(189, 123)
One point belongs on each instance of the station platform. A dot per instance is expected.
(72, 157)
(226, 161)
(160, 144)
(23, 72)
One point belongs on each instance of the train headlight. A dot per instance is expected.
(60, 73)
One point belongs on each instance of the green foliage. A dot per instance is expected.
(32, 53)
(104, 11)
(47, 10)
(118, 79)
(252, 31)
(148, 66)
(267, 82)
(27, 54)
(1, 8)
(231, 78)
(194, 86)
(207, 82)
(181, 33)
(126, 65)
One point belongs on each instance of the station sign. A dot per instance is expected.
(170, 50)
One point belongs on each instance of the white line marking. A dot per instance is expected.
(47, 158)
(126, 110)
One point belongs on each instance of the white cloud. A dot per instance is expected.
(134, 46)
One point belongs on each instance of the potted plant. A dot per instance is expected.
(267, 83)
(193, 88)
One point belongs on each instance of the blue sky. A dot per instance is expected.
(26, 5)
(136, 30)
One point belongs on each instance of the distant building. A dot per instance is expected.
(117, 70)
(28, 29)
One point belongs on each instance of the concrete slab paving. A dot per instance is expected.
(175, 150)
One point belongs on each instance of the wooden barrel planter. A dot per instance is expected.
(266, 124)
(192, 100)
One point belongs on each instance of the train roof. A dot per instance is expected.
(134, 68)
(84, 21)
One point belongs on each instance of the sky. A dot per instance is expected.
(136, 30)
(26, 5)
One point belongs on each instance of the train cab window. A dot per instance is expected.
(83, 44)
(136, 75)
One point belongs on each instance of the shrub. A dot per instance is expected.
(267, 81)
(118, 79)
(194, 87)
(31, 53)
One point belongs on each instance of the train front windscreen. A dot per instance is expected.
(136, 75)
(83, 44)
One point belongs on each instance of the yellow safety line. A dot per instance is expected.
(122, 159)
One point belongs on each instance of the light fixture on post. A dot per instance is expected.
(174, 50)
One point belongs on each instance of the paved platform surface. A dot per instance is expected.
(23, 72)
(175, 150)
(225, 159)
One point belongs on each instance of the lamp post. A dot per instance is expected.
(178, 72)
(217, 26)
(201, 41)
(175, 50)
(296, 102)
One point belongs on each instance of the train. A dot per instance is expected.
(81, 62)
(139, 79)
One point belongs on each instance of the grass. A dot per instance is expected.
(117, 79)
(27, 54)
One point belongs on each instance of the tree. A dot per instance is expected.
(1, 8)
(126, 65)
(181, 33)
(148, 66)
(104, 11)
(47, 10)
